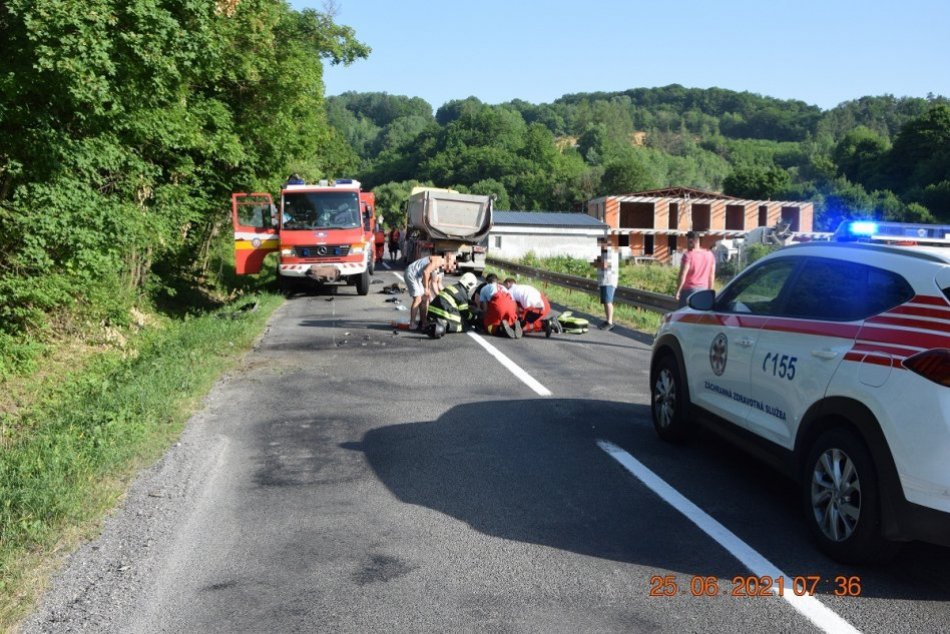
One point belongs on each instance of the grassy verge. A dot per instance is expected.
(656, 278)
(581, 302)
(66, 457)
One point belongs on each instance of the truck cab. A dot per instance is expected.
(323, 234)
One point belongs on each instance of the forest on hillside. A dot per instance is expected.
(882, 157)
(126, 124)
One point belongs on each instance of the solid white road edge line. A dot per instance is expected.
(808, 606)
(512, 367)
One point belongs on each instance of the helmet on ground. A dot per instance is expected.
(437, 329)
(469, 281)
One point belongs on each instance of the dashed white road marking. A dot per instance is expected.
(511, 366)
(808, 606)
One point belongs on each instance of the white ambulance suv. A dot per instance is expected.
(831, 361)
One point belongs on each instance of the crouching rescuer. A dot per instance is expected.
(534, 310)
(450, 310)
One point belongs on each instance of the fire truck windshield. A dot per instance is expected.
(321, 210)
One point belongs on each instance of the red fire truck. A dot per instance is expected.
(322, 232)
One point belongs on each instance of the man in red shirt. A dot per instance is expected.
(698, 270)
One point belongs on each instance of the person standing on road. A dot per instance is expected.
(608, 277)
(697, 271)
(393, 244)
(419, 278)
(379, 240)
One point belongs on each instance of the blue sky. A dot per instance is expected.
(822, 52)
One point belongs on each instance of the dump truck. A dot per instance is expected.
(323, 234)
(443, 220)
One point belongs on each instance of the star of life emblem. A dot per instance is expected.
(719, 354)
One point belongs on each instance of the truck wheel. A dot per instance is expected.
(285, 285)
(362, 283)
(372, 267)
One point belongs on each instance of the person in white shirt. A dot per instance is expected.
(533, 306)
(608, 277)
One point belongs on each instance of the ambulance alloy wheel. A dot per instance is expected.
(841, 497)
(668, 400)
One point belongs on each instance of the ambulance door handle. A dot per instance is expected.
(745, 342)
(825, 353)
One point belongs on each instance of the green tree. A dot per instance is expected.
(492, 187)
(593, 144)
(627, 174)
(391, 201)
(859, 154)
(756, 182)
(456, 109)
(921, 152)
(113, 183)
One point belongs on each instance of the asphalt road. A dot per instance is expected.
(349, 478)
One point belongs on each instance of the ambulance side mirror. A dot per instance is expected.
(702, 300)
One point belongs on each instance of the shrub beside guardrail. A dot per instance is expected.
(646, 300)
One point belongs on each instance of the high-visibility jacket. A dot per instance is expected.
(452, 306)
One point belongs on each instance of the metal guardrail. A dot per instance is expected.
(646, 300)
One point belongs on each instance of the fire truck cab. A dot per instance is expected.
(323, 234)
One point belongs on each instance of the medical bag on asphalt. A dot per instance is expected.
(571, 324)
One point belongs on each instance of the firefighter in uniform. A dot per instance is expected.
(380, 242)
(450, 311)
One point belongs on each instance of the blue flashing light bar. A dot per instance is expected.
(863, 228)
(895, 232)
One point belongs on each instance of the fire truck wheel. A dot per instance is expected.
(362, 283)
(372, 267)
(285, 285)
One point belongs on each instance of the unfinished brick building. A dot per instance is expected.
(653, 224)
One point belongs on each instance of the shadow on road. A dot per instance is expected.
(543, 480)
